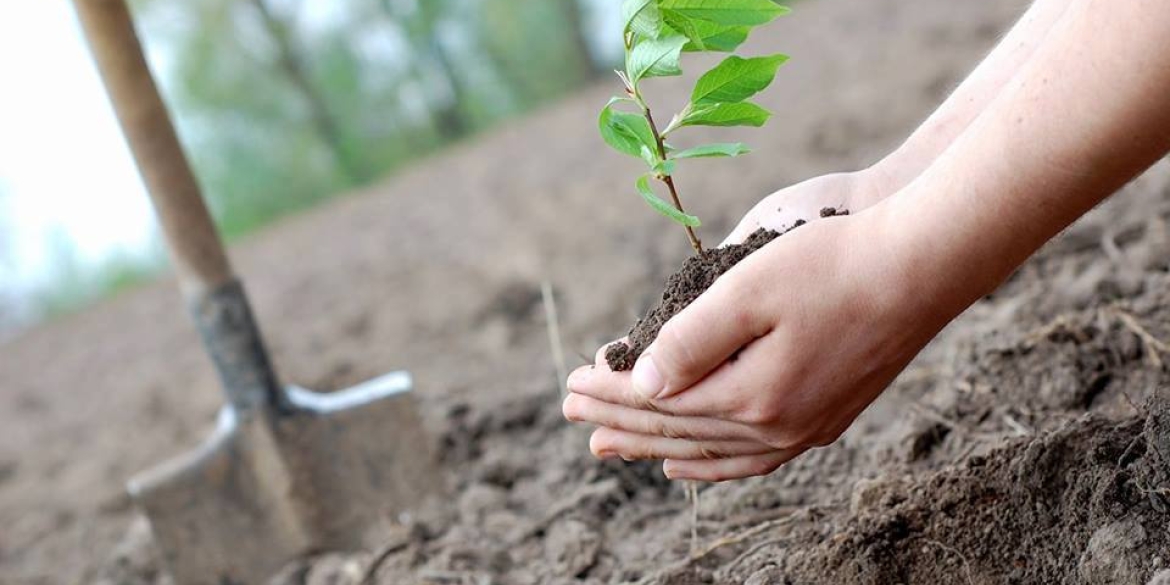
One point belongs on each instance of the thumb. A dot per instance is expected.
(701, 337)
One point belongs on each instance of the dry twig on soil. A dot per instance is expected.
(956, 552)
(725, 541)
(693, 496)
(1018, 427)
(963, 430)
(376, 563)
(1154, 346)
(554, 334)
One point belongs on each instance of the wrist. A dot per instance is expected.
(894, 171)
(878, 181)
(939, 265)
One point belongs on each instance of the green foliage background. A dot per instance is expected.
(281, 106)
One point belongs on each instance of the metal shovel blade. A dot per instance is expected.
(332, 473)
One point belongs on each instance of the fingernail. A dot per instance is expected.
(646, 377)
(668, 470)
(575, 379)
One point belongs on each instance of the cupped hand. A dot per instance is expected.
(780, 355)
(853, 191)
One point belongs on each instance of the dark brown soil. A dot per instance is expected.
(697, 274)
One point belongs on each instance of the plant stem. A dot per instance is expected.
(695, 243)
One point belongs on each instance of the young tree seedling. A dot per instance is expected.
(656, 34)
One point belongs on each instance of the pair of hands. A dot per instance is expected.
(820, 321)
(1068, 108)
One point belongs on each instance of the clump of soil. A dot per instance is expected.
(697, 274)
(1073, 506)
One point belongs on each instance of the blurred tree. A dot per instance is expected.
(575, 24)
(512, 28)
(292, 64)
(284, 102)
(431, 60)
(249, 133)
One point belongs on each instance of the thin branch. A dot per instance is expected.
(695, 242)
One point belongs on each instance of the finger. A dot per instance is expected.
(607, 442)
(616, 388)
(716, 470)
(703, 335)
(774, 212)
(607, 385)
(581, 408)
(749, 390)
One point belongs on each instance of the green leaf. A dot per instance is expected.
(688, 27)
(727, 12)
(741, 114)
(642, 18)
(649, 156)
(655, 58)
(663, 207)
(665, 168)
(660, 167)
(736, 79)
(625, 132)
(716, 37)
(709, 150)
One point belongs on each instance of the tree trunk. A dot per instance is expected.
(326, 126)
(449, 119)
(575, 20)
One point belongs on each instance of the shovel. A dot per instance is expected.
(287, 471)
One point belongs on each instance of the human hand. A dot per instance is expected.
(780, 355)
(781, 210)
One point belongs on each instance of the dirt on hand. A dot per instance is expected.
(696, 275)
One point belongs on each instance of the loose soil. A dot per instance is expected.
(1028, 443)
(697, 274)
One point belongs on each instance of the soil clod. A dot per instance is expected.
(697, 274)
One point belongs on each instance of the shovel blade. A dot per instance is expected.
(219, 514)
(333, 473)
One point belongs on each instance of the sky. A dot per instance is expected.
(66, 175)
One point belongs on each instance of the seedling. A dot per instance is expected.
(656, 34)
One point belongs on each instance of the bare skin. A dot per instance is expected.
(1068, 108)
(858, 190)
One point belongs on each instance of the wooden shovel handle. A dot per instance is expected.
(196, 251)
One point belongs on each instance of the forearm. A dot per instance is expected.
(969, 99)
(1087, 113)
